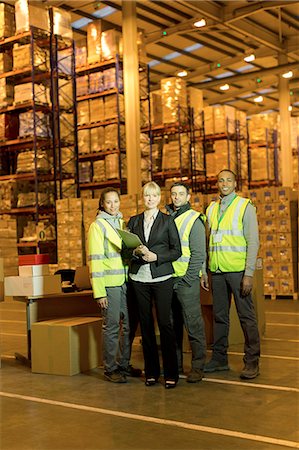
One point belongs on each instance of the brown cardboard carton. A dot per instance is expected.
(66, 346)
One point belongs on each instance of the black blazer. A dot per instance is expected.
(163, 240)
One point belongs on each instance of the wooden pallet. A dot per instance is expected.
(277, 296)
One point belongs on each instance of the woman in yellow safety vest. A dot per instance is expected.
(108, 279)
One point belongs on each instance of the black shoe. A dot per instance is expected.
(215, 366)
(170, 384)
(195, 376)
(250, 371)
(130, 371)
(151, 381)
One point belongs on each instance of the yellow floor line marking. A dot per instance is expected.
(255, 385)
(12, 321)
(291, 358)
(276, 324)
(172, 423)
(280, 340)
(283, 313)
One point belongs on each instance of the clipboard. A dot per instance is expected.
(131, 240)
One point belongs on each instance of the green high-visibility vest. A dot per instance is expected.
(106, 266)
(227, 244)
(184, 223)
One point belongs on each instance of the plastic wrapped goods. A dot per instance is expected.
(82, 85)
(85, 172)
(22, 57)
(7, 20)
(42, 125)
(261, 126)
(224, 119)
(112, 166)
(81, 55)
(96, 108)
(96, 82)
(62, 22)
(174, 99)
(6, 93)
(111, 43)
(67, 127)
(97, 139)
(98, 171)
(84, 141)
(83, 112)
(114, 107)
(26, 161)
(24, 93)
(68, 160)
(28, 15)
(5, 62)
(111, 137)
(94, 31)
(175, 154)
(109, 78)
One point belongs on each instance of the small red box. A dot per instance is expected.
(31, 260)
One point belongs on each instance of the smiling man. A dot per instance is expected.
(233, 248)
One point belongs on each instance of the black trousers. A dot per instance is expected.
(223, 285)
(160, 294)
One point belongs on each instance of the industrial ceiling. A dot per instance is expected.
(212, 55)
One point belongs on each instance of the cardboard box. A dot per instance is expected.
(66, 346)
(34, 271)
(30, 260)
(32, 286)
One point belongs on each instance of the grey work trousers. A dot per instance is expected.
(116, 330)
(223, 286)
(186, 310)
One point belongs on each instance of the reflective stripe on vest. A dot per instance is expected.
(104, 254)
(184, 224)
(228, 255)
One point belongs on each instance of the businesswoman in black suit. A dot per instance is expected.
(151, 275)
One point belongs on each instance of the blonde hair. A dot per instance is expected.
(151, 188)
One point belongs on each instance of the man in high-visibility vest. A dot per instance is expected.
(187, 270)
(233, 248)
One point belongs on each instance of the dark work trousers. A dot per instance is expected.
(187, 311)
(159, 293)
(223, 285)
(133, 312)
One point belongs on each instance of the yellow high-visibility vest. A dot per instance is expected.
(227, 244)
(106, 266)
(184, 223)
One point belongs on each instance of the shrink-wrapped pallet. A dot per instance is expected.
(156, 108)
(26, 199)
(68, 160)
(195, 100)
(28, 92)
(94, 31)
(62, 23)
(67, 127)
(174, 100)
(112, 78)
(111, 137)
(28, 15)
(176, 154)
(22, 57)
(208, 120)
(6, 93)
(97, 139)
(84, 141)
(8, 194)
(224, 119)
(82, 85)
(98, 171)
(96, 108)
(111, 44)
(83, 116)
(5, 62)
(96, 82)
(65, 61)
(81, 55)
(262, 164)
(85, 172)
(114, 106)
(29, 162)
(261, 126)
(42, 124)
(7, 20)
(65, 94)
(112, 166)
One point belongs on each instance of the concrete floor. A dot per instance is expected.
(49, 412)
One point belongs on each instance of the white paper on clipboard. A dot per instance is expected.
(131, 240)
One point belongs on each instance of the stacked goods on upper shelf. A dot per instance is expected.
(8, 245)
(174, 100)
(295, 148)
(263, 131)
(22, 57)
(28, 15)
(277, 210)
(7, 20)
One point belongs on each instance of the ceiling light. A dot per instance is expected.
(249, 58)
(182, 73)
(288, 74)
(224, 87)
(200, 23)
(290, 108)
(258, 99)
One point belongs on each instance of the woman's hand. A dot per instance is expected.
(141, 250)
(149, 256)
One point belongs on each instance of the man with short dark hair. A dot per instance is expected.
(187, 269)
(233, 248)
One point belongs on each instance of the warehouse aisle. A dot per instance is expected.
(221, 412)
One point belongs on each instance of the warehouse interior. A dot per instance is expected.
(118, 93)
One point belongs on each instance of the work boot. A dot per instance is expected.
(115, 376)
(195, 376)
(250, 371)
(215, 366)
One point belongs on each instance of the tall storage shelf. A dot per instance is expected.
(101, 131)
